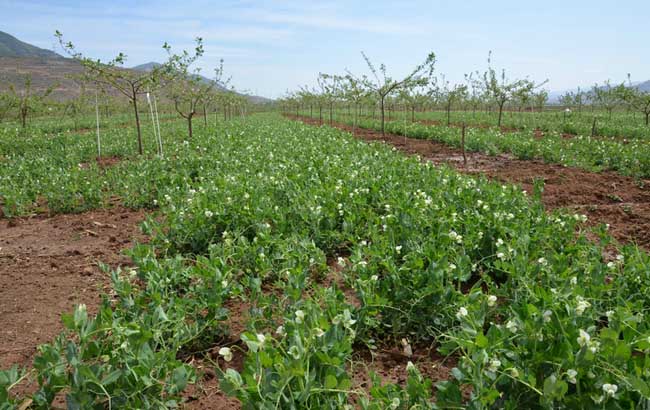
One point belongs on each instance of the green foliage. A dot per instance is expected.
(333, 245)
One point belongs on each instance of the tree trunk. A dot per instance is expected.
(647, 118)
(137, 121)
(381, 106)
(205, 116)
(413, 113)
(500, 114)
(189, 125)
(449, 114)
(331, 114)
(320, 114)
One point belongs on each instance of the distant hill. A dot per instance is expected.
(44, 73)
(10, 46)
(644, 86)
(152, 64)
(18, 59)
(554, 96)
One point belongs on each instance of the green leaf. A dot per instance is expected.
(640, 386)
(481, 341)
(330, 382)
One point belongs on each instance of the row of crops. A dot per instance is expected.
(631, 158)
(616, 125)
(335, 247)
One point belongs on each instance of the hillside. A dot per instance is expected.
(44, 72)
(10, 46)
(253, 98)
(18, 59)
(554, 96)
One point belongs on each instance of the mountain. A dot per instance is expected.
(554, 96)
(10, 46)
(644, 86)
(18, 59)
(253, 98)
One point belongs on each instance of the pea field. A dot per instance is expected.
(285, 264)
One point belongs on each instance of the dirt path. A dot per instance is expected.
(604, 197)
(48, 265)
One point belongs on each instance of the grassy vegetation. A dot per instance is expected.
(253, 211)
(630, 158)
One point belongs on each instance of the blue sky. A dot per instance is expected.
(270, 47)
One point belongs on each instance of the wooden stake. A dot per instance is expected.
(593, 128)
(462, 145)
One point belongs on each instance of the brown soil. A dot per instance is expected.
(103, 162)
(605, 197)
(48, 265)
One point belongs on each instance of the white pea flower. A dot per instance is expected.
(410, 366)
(511, 326)
(280, 331)
(456, 237)
(546, 316)
(300, 316)
(340, 261)
(582, 306)
(499, 242)
(594, 346)
(319, 332)
(584, 338)
(374, 278)
(542, 261)
(491, 300)
(610, 389)
(573, 281)
(610, 314)
(394, 404)
(462, 312)
(261, 338)
(571, 376)
(226, 353)
(501, 255)
(398, 249)
(494, 365)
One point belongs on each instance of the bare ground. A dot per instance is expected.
(50, 264)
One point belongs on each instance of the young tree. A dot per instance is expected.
(329, 90)
(501, 89)
(75, 106)
(414, 99)
(540, 99)
(448, 95)
(28, 100)
(383, 85)
(112, 74)
(7, 103)
(476, 92)
(187, 89)
(353, 92)
(638, 100)
(608, 96)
